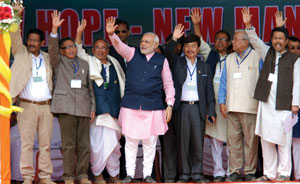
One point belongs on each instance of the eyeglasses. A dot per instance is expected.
(237, 39)
(292, 48)
(33, 40)
(68, 47)
(100, 48)
(222, 39)
(123, 31)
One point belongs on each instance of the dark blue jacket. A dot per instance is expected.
(108, 100)
(213, 59)
(144, 85)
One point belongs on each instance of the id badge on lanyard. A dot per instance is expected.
(38, 78)
(76, 83)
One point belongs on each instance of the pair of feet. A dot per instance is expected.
(199, 178)
(279, 178)
(42, 181)
(81, 181)
(238, 177)
(147, 179)
(100, 180)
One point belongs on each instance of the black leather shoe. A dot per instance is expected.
(128, 179)
(169, 181)
(250, 177)
(202, 180)
(149, 179)
(181, 181)
(219, 179)
(234, 177)
(199, 178)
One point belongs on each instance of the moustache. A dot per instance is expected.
(31, 46)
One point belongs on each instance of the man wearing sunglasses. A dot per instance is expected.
(122, 31)
(294, 45)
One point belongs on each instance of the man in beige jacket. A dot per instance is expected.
(32, 83)
(237, 85)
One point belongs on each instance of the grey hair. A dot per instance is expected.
(245, 35)
(156, 39)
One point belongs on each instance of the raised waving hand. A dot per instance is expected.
(279, 19)
(247, 17)
(56, 22)
(178, 31)
(110, 25)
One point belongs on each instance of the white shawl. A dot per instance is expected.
(96, 68)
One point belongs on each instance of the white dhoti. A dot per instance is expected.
(105, 146)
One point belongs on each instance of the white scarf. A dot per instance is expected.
(96, 68)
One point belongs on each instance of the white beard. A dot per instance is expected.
(149, 50)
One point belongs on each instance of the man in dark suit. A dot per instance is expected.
(123, 33)
(195, 102)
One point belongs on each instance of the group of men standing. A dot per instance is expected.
(231, 97)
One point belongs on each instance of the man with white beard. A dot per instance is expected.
(142, 115)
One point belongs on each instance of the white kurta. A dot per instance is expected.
(269, 122)
(218, 129)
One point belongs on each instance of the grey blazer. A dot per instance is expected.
(67, 100)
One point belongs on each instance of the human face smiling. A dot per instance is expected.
(68, 49)
(222, 42)
(279, 41)
(191, 50)
(100, 50)
(147, 44)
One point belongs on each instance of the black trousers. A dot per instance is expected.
(190, 132)
(169, 152)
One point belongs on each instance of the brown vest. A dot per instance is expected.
(284, 93)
